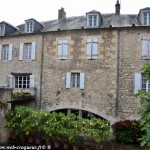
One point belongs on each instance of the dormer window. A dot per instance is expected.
(2, 30)
(144, 16)
(29, 26)
(94, 19)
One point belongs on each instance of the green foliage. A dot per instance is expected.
(127, 131)
(145, 111)
(56, 126)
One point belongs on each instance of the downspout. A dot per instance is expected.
(117, 86)
(41, 76)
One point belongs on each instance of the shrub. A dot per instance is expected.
(127, 131)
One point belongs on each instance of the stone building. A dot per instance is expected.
(88, 65)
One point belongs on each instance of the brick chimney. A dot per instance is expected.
(61, 14)
(117, 6)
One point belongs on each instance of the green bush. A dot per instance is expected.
(127, 131)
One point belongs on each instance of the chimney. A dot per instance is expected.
(117, 6)
(61, 14)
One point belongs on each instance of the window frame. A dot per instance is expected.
(29, 26)
(27, 51)
(145, 48)
(92, 48)
(93, 22)
(146, 18)
(5, 52)
(75, 80)
(2, 29)
(63, 46)
(145, 84)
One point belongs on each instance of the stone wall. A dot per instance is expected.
(99, 95)
(130, 62)
(5, 95)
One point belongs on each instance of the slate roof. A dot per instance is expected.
(78, 22)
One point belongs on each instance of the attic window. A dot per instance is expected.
(146, 18)
(29, 26)
(2, 29)
(92, 20)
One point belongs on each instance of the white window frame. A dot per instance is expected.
(75, 82)
(5, 51)
(22, 82)
(27, 51)
(92, 49)
(146, 18)
(145, 48)
(91, 22)
(29, 26)
(2, 29)
(63, 49)
(145, 84)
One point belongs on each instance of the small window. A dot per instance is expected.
(146, 18)
(29, 26)
(92, 49)
(145, 48)
(92, 20)
(2, 30)
(22, 81)
(63, 49)
(27, 51)
(145, 84)
(5, 52)
(75, 80)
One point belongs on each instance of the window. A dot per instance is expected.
(27, 51)
(6, 52)
(63, 49)
(29, 26)
(146, 18)
(92, 49)
(92, 20)
(145, 48)
(2, 30)
(145, 84)
(22, 81)
(75, 80)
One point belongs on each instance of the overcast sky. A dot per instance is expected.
(16, 11)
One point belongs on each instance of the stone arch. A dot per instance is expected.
(81, 106)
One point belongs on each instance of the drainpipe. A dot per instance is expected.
(41, 76)
(118, 58)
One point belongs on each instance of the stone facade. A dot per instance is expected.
(108, 79)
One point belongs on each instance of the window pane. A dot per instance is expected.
(145, 18)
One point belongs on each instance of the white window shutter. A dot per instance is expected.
(32, 81)
(33, 51)
(68, 80)
(65, 49)
(145, 47)
(94, 49)
(137, 82)
(10, 52)
(10, 81)
(21, 52)
(89, 49)
(0, 52)
(82, 76)
(60, 49)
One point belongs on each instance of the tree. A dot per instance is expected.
(145, 111)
